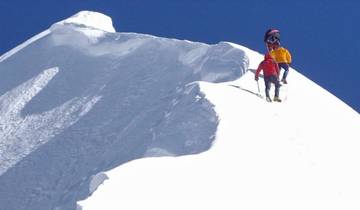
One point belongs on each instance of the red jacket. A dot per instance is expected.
(269, 67)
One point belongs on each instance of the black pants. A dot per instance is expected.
(272, 79)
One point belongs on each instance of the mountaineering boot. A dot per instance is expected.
(277, 99)
(283, 81)
(268, 99)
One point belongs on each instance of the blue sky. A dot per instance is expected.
(323, 36)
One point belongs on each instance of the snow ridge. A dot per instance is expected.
(290, 155)
(80, 99)
(104, 99)
(23, 45)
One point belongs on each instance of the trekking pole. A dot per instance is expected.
(258, 87)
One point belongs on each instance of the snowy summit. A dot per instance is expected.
(95, 119)
(92, 20)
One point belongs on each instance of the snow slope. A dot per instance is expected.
(80, 98)
(300, 154)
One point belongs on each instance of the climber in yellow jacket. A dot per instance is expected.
(283, 57)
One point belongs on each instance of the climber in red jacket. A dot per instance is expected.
(271, 75)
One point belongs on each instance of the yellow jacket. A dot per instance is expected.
(281, 55)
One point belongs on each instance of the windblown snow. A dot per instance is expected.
(81, 104)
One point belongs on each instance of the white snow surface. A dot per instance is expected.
(300, 154)
(170, 124)
(76, 100)
(90, 19)
(88, 27)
